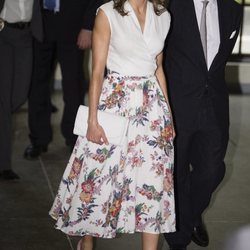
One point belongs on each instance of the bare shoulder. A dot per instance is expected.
(101, 22)
(107, 7)
(104, 13)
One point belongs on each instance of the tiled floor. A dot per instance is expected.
(24, 220)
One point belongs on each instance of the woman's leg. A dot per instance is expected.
(87, 243)
(149, 241)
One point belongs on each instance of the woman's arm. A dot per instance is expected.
(161, 76)
(163, 83)
(101, 39)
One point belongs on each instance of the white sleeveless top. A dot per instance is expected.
(131, 51)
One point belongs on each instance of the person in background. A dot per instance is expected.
(201, 39)
(19, 20)
(67, 32)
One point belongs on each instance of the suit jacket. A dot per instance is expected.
(185, 65)
(36, 21)
(73, 16)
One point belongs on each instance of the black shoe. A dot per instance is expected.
(200, 235)
(8, 175)
(32, 152)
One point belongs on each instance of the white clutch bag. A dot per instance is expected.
(115, 126)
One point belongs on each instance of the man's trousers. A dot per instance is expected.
(15, 75)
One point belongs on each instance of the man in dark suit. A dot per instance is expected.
(201, 39)
(67, 31)
(18, 21)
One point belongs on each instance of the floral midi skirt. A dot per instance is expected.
(111, 189)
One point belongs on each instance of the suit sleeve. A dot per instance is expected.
(90, 13)
(238, 9)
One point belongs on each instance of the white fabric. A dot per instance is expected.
(135, 44)
(17, 10)
(213, 29)
(108, 189)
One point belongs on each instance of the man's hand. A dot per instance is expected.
(84, 39)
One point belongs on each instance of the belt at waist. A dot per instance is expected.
(120, 75)
(17, 25)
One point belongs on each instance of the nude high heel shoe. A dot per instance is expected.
(79, 245)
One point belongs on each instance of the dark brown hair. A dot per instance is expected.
(159, 6)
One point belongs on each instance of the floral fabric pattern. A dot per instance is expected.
(107, 190)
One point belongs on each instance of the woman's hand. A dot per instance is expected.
(96, 134)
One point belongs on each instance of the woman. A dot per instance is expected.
(107, 189)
